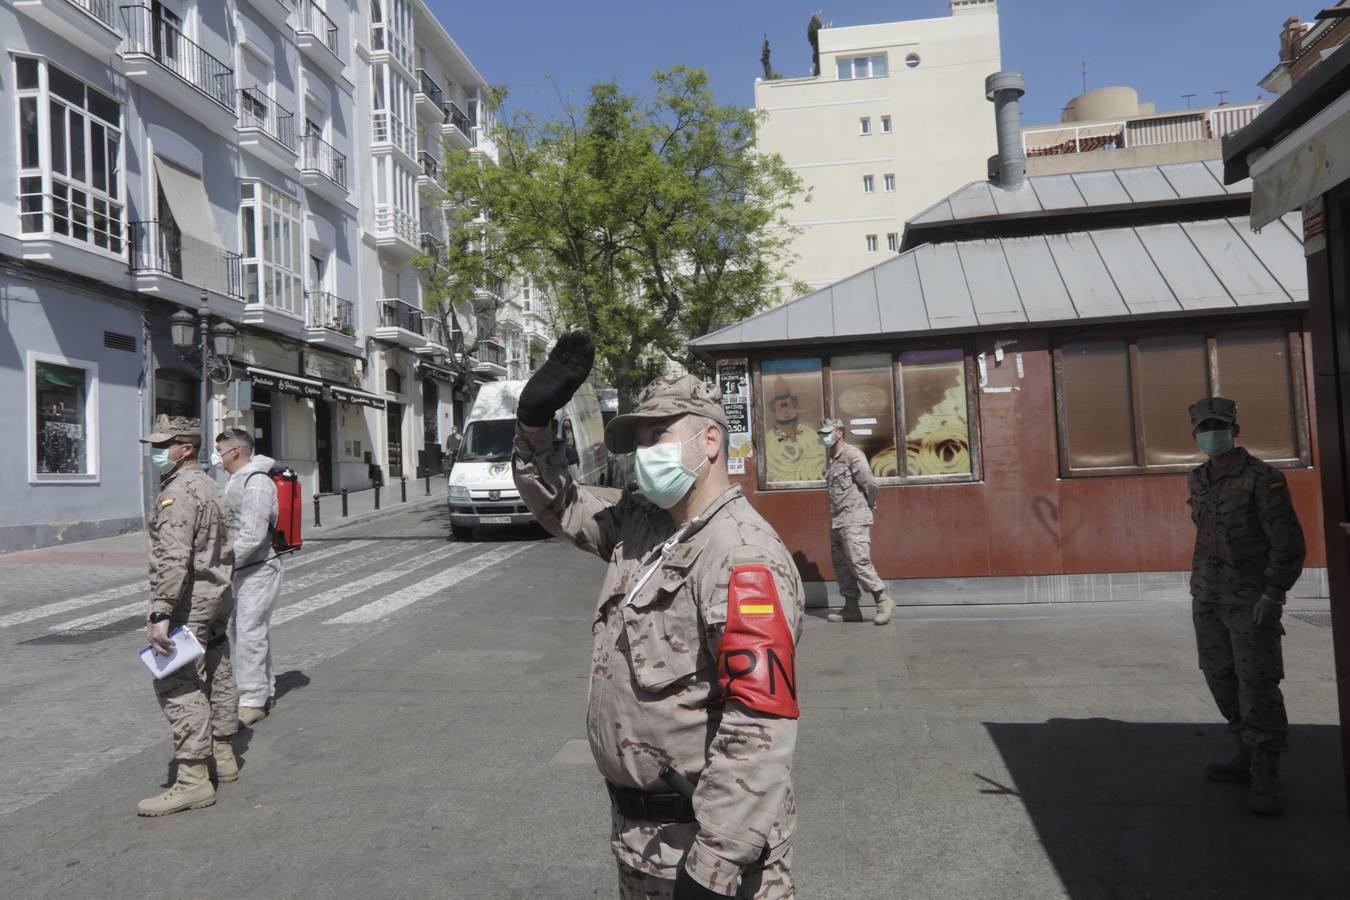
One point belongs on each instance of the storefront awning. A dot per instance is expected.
(286, 384)
(359, 398)
(187, 199)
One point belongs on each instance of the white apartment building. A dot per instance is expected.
(896, 120)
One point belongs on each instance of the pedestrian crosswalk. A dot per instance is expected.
(380, 576)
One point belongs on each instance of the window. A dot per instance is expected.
(391, 29)
(868, 184)
(270, 235)
(527, 295)
(393, 116)
(885, 124)
(871, 243)
(849, 68)
(888, 183)
(393, 381)
(865, 125)
(1124, 400)
(63, 415)
(931, 412)
(70, 142)
(892, 241)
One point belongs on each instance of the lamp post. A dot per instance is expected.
(211, 345)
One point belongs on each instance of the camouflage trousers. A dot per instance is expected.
(851, 556)
(200, 700)
(1243, 664)
(773, 882)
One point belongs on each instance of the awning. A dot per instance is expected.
(187, 199)
(360, 398)
(1306, 164)
(286, 384)
(427, 370)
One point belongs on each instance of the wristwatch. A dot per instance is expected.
(157, 617)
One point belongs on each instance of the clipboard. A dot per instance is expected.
(186, 649)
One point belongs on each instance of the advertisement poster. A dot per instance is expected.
(733, 378)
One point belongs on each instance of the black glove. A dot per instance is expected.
(549, 389)
(686, 888)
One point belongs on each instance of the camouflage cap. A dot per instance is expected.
(169, 427)
(674, 395)
(830, 425)
(1220, 408)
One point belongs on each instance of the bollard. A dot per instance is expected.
(403, 486)
(344, 503)
(318, 523)
(428, 484)
(377, 495)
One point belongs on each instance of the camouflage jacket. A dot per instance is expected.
(1247, 535)
(851, 487)
(191, 545)
(655, 699)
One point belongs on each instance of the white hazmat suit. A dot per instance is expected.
(257, 579)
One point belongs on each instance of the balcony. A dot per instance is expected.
(274, 11)
(429, 170)
(167, 263)
(90, 25)
(73, 230)
(437, 334)
(317, 37)
(484, 147)
(455, 127)
(266, 128)
(400, 323)
(161, 59)
(429, 98)
(396, 232)
(323, 169)
(330, 321)
(432, 245)
(389, 130)
(488, 358)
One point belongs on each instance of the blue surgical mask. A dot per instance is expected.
(1215, 443)
(662, 475)
(827, 440)
(160, 459)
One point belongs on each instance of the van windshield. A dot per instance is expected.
(487, 440)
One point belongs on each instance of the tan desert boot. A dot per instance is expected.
(227, 767)
(251, 715)
(192, 790)
(850, 613)
(885, 608)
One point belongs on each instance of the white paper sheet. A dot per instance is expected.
(186, 649)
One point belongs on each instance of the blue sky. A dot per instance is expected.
(1165, 49)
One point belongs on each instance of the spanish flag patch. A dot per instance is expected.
(756, 609)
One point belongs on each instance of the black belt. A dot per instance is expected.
(651, 807)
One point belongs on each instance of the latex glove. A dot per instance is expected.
(1268, 611)
(686, 888)
(158, 633)
(548, 390)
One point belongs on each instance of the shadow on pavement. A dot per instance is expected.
(290, 681)
(1123, 810)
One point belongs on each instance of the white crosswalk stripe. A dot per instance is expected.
(302, 560)
(381, 608)
(351, 589)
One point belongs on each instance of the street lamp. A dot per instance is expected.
(210, 345)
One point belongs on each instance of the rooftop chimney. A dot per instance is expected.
(1009, 168)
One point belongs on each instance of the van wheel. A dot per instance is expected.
(462, 532)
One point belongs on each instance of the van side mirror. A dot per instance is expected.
(572, 458)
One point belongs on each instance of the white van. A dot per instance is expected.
(482, 491)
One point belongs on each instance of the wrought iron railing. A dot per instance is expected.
(431, 244)
(257, 110)
(456, 117)
(428, 86)
(320, 156)
(430, 167)
(325, 310)
(162, 248)
(147, 35)
(103, 10)
(397, 314)
(313, 20)
(489, 351)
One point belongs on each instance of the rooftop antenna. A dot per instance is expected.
(1222, 95)
(1188, 97)
(1082, 67)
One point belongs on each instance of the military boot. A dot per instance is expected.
(850, 612)
(1237, 770)
(227, 767)
(885, 608)
(1266, 797)
(191, 790)
(251, 715)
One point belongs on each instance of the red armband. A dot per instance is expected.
(757, 659)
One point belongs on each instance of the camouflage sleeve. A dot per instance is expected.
(1280, 523)
(589, 517)
(862, 477)
(744, 791)
(171, 550)
(1192, 487)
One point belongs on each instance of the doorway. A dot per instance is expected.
(262, 422)
(323, 444)
(394, 418)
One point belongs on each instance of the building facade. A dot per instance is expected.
(894, 121)
(254, 165)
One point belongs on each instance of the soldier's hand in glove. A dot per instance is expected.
(1268, 611)
(548, 390)
(686, 888)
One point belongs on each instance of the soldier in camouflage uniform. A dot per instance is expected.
(853, 499)
(191, 559)
(1249, 551)
(693, 658)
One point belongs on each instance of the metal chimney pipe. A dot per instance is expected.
(1009, 168)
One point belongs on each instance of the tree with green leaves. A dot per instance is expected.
(647, 222)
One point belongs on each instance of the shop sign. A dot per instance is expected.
(341, 370)
(733, 379)
(357, 398)
(286, 384)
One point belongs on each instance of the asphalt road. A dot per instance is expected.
(429, 742)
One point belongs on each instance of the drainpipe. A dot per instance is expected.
(1009, 168)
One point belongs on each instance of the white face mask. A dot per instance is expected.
(216, 461)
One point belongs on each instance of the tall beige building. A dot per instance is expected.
(896, 120)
